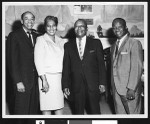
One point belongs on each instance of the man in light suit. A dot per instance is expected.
(127, 65)
(20, 59)
(84, 70)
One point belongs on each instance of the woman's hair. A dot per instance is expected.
(55, 19)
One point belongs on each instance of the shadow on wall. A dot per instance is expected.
(70, 34)
(16, 25)
(111, 37)
(41, 29)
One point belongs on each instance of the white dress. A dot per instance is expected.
(48, 57)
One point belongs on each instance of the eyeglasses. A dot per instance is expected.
(81, 26)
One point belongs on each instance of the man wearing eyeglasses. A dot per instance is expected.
(84, 70)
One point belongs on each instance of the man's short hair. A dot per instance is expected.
(121, 20)
(26, 13)
(83, 20)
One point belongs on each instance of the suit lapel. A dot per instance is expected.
(34, 38)
(122, 45)
(25, 38)
(113, 52)
(120, 49)
(86, 49)
(75, 48)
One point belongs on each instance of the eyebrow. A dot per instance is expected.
(27, 17)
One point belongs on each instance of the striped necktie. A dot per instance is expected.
(80, 49)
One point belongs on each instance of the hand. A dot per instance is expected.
(130, 94)
(20, 87)
(66, 92)
(45, 86)
(102, 88)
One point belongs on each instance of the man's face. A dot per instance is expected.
(28, 21)
(80, 29)
(119, 29)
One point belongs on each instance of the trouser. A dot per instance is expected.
(125, 106)
(27, 103)
(85, 98)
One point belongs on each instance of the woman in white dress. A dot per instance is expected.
(48, 57)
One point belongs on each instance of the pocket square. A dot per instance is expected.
(91, 51)
(123, 53)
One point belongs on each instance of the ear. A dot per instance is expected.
(126, 28)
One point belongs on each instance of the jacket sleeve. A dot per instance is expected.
(136, 65)
(14, 51)
(66, 81)
(101, 63)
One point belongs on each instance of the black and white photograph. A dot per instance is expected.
(74, 60)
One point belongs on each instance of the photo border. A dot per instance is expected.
(145, 115)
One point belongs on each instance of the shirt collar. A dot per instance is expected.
(25, 30)
(47, 38)
(83, 38)
(122, 39)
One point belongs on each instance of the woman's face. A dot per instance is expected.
(51, 28)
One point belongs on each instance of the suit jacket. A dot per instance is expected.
(91, 68)
(127, 65)
(20, 58)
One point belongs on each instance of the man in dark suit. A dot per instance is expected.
(20, 59)
(84, 70)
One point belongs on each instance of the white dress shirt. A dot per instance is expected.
(121, 41)
(83, 42)
(28, 35)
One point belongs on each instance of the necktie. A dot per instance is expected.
(80, 49)
(30, 38)
(117, 46)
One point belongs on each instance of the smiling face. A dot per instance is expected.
(80, 29)
(51, 27)
(119, 28)
(28, 21)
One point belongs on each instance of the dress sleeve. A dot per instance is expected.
(39, 52)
